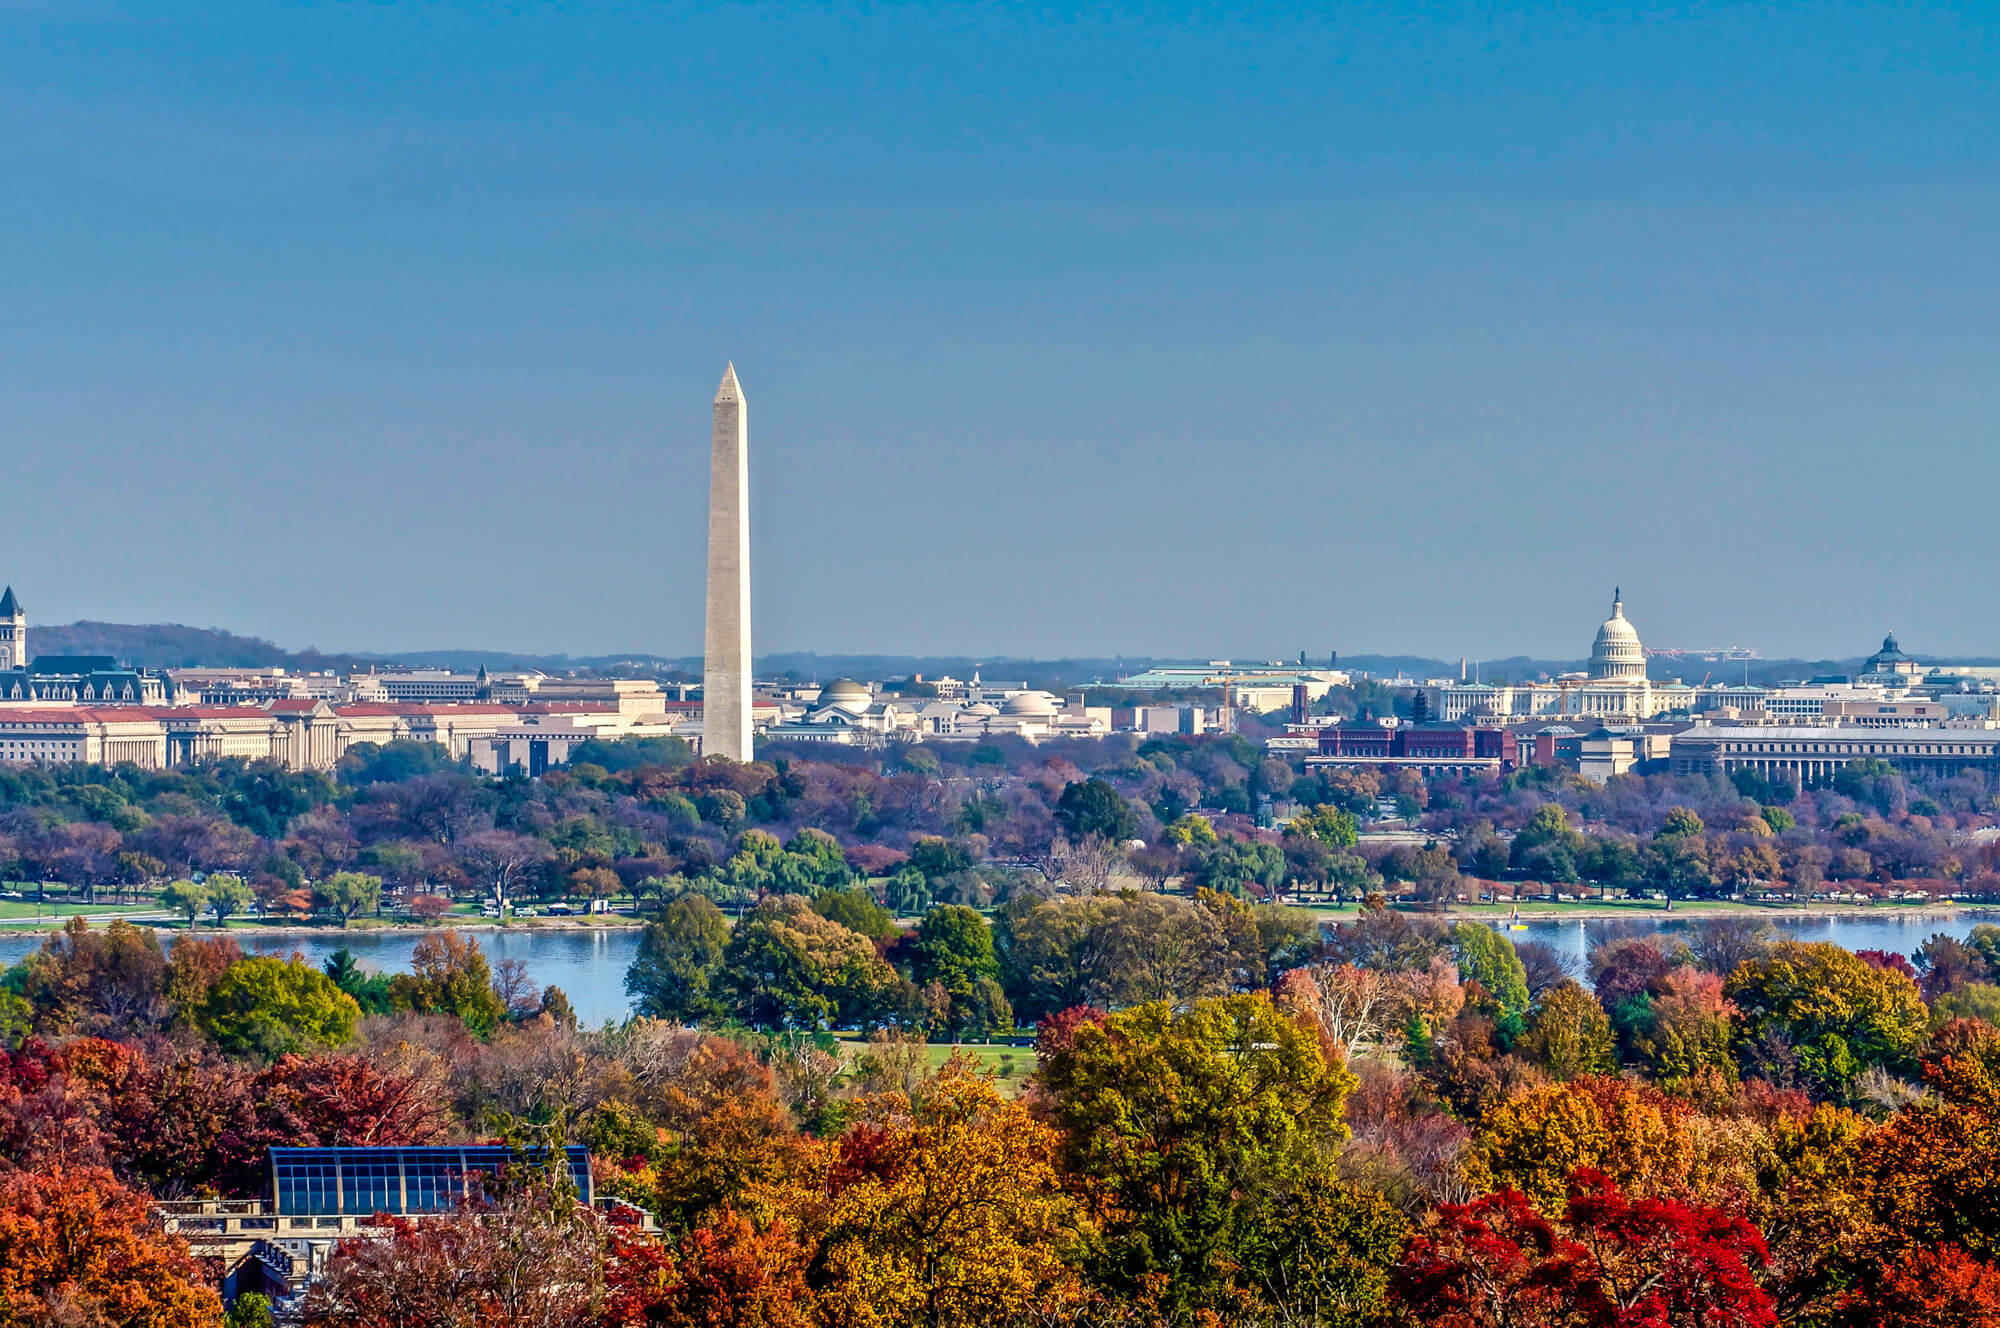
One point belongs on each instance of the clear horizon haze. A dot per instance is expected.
(1065, 331)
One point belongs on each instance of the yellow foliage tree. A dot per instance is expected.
(1640, 1138)
(942, 1209)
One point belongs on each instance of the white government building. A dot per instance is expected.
(1614, 687)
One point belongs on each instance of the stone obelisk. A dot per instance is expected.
(725, 678)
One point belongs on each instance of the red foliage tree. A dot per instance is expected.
(336, 1101)
(1057, 1032)
(727, 1272)
(1938, 1288)
(1890, 960)
(1612, 1262)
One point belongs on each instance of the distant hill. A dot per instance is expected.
(173, 646)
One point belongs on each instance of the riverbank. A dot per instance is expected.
(1648, 910)
(243, 929)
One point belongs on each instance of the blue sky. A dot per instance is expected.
(1065, 330)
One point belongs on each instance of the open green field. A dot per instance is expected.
(1009, 1065)
(62, 908)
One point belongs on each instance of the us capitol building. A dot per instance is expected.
(1614, 686)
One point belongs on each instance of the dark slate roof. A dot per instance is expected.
(9, 606)
(69, 665)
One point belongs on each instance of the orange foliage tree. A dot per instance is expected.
(76, 1247)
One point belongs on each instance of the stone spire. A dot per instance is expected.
(725, 679)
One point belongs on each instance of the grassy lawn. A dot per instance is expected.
(1011, 1066)
(62, 908)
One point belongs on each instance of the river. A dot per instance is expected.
(589, 965)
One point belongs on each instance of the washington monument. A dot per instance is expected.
(725, 678)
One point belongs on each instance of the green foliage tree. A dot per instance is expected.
(1321, 1252)
(1237, 866)
(907, 892)
(814, 861)
(369, 990)
(251, 1309)
(1837, 1014)
(185, 897)
(1187, 1127)
(1328, 824)
(346, 893)
(1678, 866)
(1488, 958)
(268, 1007)
(1190, 830)
(1093, 807)
(1571, 1036)
(953, 950)
(856, 909)
(1546, 847)
(724, 808)
(1680, 823)
(674, 976)
(938, 858)
(788, 967)
(227, 895)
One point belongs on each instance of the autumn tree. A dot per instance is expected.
(107, 980)
(1642, 1139)
(946, 1208)
(1353, 1008)
(449, 975)
(1941, 1287)
(1684, 1035)
(326, 1101)
(1933, 1170)
(76, 1247)
(1609, 1261)
(531, 1257)
(730, 1270)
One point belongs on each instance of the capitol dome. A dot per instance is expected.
(1029, 703)
(846, 692)
(1617, 652)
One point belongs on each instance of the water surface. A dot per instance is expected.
(590, 965)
